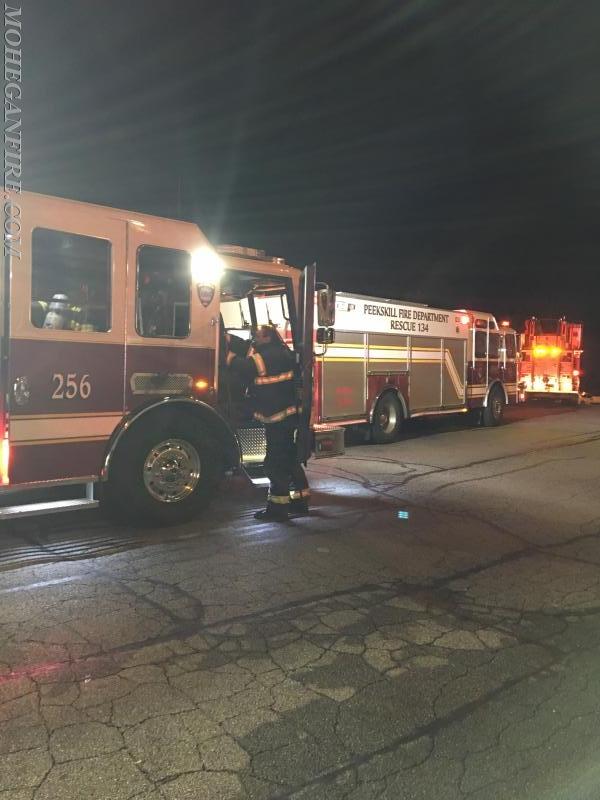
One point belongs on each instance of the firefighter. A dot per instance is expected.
(269, 368)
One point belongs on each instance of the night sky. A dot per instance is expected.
(443, 152)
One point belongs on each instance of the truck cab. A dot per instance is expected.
(111, 375)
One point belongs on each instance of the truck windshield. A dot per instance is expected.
(547, 327)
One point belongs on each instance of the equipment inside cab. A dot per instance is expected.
(249, 300)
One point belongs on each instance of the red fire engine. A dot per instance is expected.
(551, 359)
(111, 330)
(394, 360)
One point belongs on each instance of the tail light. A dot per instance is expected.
(5, 459)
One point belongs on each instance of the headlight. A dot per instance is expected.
(207, 267)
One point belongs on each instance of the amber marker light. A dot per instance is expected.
(201, 385)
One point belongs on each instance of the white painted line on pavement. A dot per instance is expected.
(41, 584)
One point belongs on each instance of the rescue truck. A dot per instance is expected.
(393, 360)
(551, 359)
(113, 326)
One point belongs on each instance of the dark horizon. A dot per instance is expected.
(439, 152)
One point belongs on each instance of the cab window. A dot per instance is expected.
(494, 345)
(236, 316)
(480, 344)
(163, 293)
(70, 281)
(511, 346)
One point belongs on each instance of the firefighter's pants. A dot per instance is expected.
(282, 466)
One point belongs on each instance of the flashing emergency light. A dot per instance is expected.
(555, 351)
(575, 373)
(540, 351)
(207, 266)
(465, 319)
(505, 323)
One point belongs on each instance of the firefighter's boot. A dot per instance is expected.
(274, 512)
(299, 504)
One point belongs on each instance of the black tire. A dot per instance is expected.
(475, 417)
(493, 412)
(163, 472)
(387, 419)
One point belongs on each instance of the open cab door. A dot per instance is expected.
(306, 359)
(323, 298)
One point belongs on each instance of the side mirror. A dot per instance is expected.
(325, 306)
(325, 336)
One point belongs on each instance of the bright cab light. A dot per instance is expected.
(207, 266)
(540, 351)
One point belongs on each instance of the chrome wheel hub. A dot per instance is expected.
(388, 418)
(172, 470)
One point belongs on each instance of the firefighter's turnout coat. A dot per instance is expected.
(269, 371)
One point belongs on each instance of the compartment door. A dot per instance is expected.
(344, 377)
(453, 372)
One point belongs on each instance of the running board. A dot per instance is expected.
(264, 481)
(255, 473)
(53, 507)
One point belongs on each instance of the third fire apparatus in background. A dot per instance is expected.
(551, 359)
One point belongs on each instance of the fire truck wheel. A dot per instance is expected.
(164, 476)
(492, 414)
(387, 419)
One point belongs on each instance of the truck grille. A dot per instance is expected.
(160, 383)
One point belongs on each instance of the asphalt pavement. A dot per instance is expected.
(431, 631)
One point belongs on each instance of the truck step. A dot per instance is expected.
(255, 473)
(52, 507)
(253, 444)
